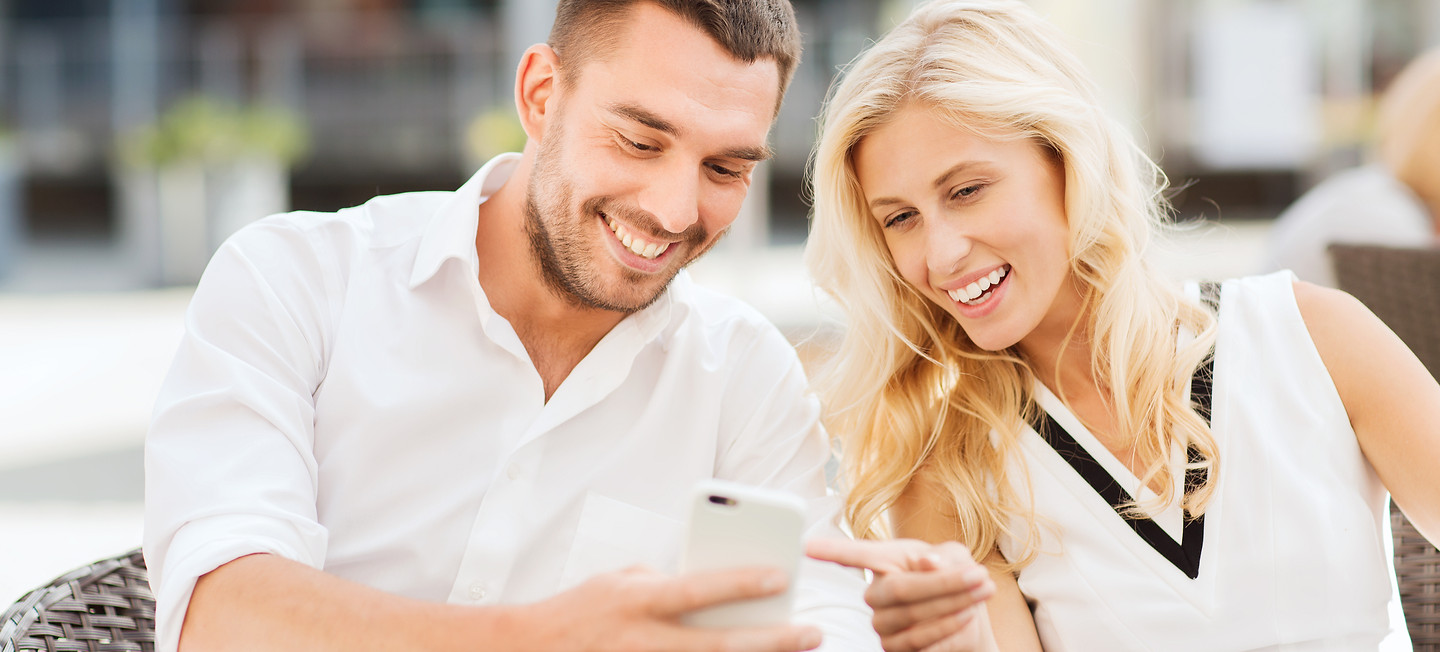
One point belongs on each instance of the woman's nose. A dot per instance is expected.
(947, 245)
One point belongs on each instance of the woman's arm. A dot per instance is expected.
(929, 594)
(1392, 400)
(926, 511)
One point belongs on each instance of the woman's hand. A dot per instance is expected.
(926, 597)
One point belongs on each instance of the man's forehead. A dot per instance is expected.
(729, 103)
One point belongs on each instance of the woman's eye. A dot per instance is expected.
(899, 219)
(965, 191)
(640, 146)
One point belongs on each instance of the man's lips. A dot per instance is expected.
(640, 246)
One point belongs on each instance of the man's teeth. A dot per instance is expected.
(974, 292)
(640, 247)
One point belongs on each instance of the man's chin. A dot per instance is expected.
(637, 297)
(626, 292)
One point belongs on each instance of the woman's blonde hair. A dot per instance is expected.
(1409, 128)
(907, 392)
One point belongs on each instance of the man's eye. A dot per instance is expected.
(724, 170)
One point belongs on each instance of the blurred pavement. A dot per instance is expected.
(79, 372)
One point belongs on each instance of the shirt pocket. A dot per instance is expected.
(613, 535)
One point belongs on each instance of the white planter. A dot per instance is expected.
(242, 191)
(174, 217)
(180, 200)
(12, 218)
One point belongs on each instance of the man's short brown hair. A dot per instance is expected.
(747, 29)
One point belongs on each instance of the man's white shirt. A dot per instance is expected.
(344, 396)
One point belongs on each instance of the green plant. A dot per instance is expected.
(494, 132)
(201, 129)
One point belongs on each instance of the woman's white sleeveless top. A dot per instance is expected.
(1295, 550)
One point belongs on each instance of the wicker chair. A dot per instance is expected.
(1402, 288)
(103, 607)
(107, 606)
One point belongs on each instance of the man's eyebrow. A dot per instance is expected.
(755, 154)
(637, 114)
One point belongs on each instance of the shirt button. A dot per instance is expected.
(512, 471)
(477, 591)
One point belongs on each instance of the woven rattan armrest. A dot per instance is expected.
(104, 607)
(1402, 287)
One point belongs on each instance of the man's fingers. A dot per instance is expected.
(699, 590)
(878, 556)
(899, 618)
(779, 638)
(897, 589)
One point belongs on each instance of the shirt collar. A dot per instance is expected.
(653, 320)
(451, 233)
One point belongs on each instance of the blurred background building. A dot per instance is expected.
(136, 134)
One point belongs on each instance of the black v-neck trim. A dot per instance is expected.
(1185, 555)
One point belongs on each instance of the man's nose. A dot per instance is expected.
(673, 197)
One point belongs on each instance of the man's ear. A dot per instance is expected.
(535, 88)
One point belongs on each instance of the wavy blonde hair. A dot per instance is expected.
(1409, 129)
(907, 391)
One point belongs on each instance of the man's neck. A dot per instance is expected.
(557, 333)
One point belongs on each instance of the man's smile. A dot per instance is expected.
(630, 240)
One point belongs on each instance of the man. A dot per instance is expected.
(458, 420)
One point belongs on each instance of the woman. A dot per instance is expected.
(985, 227)
(1394, 200)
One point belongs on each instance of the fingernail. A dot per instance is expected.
(975, 575)
(811, 639)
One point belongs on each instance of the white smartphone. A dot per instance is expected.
(732, 525)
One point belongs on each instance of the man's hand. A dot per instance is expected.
(637, 610)
(926, 597)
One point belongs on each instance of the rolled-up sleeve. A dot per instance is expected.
(229, 462)
(777, 441)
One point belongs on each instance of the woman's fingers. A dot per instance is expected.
(930, 633)
(891, 620)
(905, 588)
(924, 595)
(878, 556)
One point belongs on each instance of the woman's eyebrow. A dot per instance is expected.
(940, 181)
(959, 168)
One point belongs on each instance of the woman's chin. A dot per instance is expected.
(989, 340)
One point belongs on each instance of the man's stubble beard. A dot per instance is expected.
(562, 251)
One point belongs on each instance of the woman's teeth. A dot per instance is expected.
(976, 293)
(640, 247)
